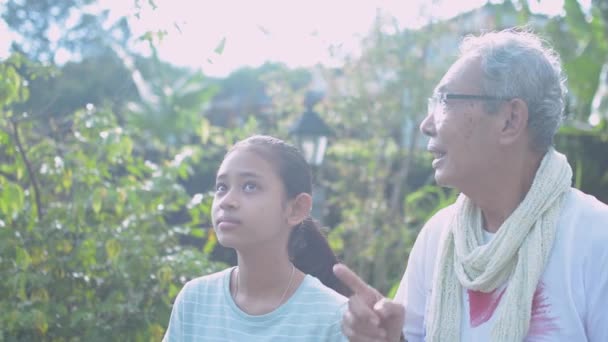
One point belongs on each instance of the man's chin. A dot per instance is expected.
(442, 180)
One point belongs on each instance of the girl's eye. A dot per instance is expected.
(220, 187)
(250, 187)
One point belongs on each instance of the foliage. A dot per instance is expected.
(581, 39)
(48, 27)
(61, 90)
(582, 42)
(172, 101)
(86, 246)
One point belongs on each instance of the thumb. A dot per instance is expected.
(392, 315)
(387, 308)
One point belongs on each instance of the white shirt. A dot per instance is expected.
(571, 300)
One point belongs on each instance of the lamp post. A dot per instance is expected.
(311, 134)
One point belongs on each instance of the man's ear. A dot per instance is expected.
(515, 121)
(299, 209)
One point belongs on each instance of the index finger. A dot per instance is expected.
(356, 284)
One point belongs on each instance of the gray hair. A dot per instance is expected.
(518, 64)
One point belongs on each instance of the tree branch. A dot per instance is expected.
(30, 170)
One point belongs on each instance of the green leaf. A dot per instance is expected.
(211, 241)
(20, 282)
(173, 291)
(13, 199)
(22, 258)
(393, 291)
(165, 274)
(97, 199)
(10, 84)
(41, 295)
(127, 146)
(40, 322)
(198, 232)
(205, 131)
(113, 249)
(64, 246)
(4, 138)
(12, 319)
(87, 252)
(66, 180)
(576, 18)
(156, 332)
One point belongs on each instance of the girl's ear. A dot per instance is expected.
(299, 209)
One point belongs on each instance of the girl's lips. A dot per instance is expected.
(226, 223)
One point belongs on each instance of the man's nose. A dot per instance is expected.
(427, 126)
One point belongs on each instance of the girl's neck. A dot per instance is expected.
(263, 281)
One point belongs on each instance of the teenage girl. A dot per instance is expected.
(283, 288)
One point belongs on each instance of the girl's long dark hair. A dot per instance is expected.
(307, 247)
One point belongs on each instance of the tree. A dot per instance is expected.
(46, 28)
(582, 42)
(100, 81)
(86, 247)
(581, 38)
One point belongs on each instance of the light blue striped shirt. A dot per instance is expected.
(204, 310)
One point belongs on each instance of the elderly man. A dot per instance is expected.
(520, 255)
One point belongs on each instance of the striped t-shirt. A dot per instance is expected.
(204, 310)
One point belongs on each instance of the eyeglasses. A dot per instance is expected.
(439, 100)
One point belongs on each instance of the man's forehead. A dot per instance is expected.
(465, 72)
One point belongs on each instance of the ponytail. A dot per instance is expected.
(310, 252)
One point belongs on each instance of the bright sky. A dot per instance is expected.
(298, 33)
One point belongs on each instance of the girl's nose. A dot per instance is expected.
(229, 201)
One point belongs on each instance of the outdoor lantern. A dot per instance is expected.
(311, 133)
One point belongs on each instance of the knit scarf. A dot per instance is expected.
(517, 254)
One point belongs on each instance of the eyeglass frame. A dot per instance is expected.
(440, 98)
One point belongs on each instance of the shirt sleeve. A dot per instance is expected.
(175, 329)
(411, 294)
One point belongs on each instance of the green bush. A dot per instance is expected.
(87, 251)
